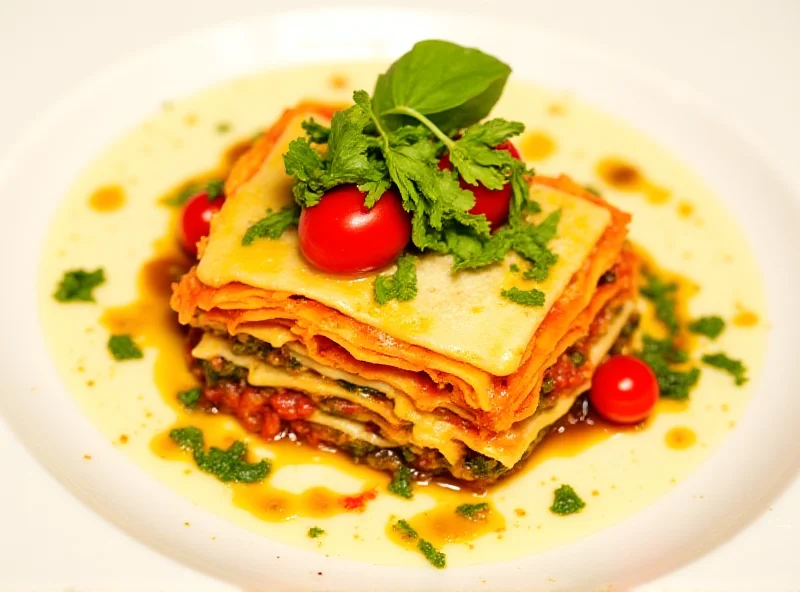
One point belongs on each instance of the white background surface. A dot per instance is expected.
(743, 55)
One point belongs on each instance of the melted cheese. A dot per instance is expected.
(461, 316)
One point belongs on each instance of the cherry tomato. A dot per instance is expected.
(624, 390)
(196, 219)
(492, 203)
(341, 235)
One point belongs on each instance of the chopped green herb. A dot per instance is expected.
(225, 370)
(710, 326)
(294, 364)
(190, 397)
(733, 367)
(401, 483)
(223, 127)
(660, 355)
(122, 347)
(215, 188)
(251, 347)
(77, 285)
(662, 295)
(514, 268)
(435, 557)
(405, 529)
(473, 511)
(316, 133)
(482, 466)
(532, 297)
(225, 465)
(365, 390)
(314, 532)
(348, 386)
(358, 448)
(401, 285)
(578, 358)
(566, 501)
(273, 225)
(548, 385)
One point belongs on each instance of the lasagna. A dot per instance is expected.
(458, 382)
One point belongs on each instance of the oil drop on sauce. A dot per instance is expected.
(744, 317)
(625, 177)
(107, 199)
(444, 525)
(680, 438)
(537, 146)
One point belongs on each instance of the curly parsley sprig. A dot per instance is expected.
(429, 103)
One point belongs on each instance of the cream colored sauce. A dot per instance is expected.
(618, 475)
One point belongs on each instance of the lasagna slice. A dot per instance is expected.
(457, 382)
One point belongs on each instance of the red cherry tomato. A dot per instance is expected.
(196, 219)
(341, 235)
(624, 390)
(492, 203)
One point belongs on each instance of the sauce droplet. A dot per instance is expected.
(685, 209)
(338, 81)
(623, 176)
(745, 318)
(107, 199)
(680, 438)
(442, 525)
(537, 146)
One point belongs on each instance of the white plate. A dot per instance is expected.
(752, 466)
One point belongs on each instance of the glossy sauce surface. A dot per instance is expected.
(616, 472)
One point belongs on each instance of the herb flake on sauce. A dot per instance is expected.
(566, 501)
(77, 285)
(123, 347)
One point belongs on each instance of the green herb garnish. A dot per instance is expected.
(733, 367)
(223, 127)
(548, 385)
(225, 465)
(566, 501)
(190, 397)
(710, 326)
(122, 347)
(273, 225)
(77, 285)
(401, 483)
(662, 295)
(314, 532)
(473, 512)
(225, 370)
(513, 268)
(428, 104)
(578, 358)
(215, 188)
(532, 297)
(405, 529)
(400, 285)
(660, 355)
(482, 466)
(435, 557)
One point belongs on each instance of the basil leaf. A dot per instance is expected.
(453, 86)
